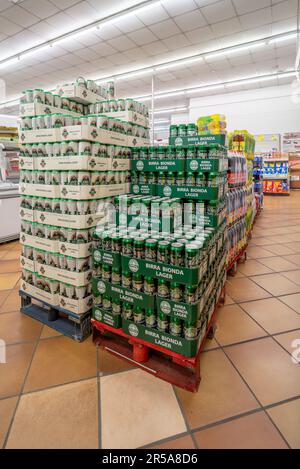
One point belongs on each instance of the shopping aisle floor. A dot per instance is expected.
(56, 393)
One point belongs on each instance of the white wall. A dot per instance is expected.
(261, 110)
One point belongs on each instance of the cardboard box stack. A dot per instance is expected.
(158, 269)
(72, 166)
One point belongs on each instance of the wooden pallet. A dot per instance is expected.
(77, 327)
(176, 369)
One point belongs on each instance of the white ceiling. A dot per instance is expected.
(174, 29)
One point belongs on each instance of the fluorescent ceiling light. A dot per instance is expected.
(8, 63)
(250, 81)
(8, 116)
(287, 37)
(134, 74)
(169, 95)
(286, 75)
(136, 11)
(34, 51)
(73, 36)
(10, 104)
(167, 111)
(161, 121)
(179, 63)
(234, 50)
(205, 88)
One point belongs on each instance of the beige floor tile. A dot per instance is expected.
(16, 327)
(257, 252)
(9, 266)
(273, 315)
(13, 372)
(278, 264)
(243, 289)
(47, 332)
(253, 267)
(294, 246)
(261, 241)
(222, 393)
(254, 431)
(267, 369)
(279, 249)
(8, 281)
(293, 301)
(281, 239)
(295, 258)
(109, 364)
(276, 284)
(234, 325)
(7, 408)
(291, 342)
(210, 345)
(286, 417)
(293, 275)
(127, 402)
(11, 303)
(61, 360)
(13, 254)
(184, 442)
(64, 417)
(3, 295)
(228, 300)
(294, 236)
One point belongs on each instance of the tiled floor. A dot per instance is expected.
(56, 393)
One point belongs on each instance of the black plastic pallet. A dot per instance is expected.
(77, 327)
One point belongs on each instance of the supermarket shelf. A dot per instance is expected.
(277, 177)
(271, 160)
(242, 253)
(162, 363)
(277, 193)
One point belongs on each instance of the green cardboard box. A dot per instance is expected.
(171, 273)
(207, 165)
(198, 140)
(103, 257)
(188, 192)
(143, 189)
(107, 317)
(158, 165)
(187, 348)
(101, 287)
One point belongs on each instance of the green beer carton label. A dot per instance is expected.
(207, 165)
(103, 257)
(107, 317)
(184, 311)
(197, 140)
(183, 275)
(189, 192)
(187, 348)
(143, 189)
(158, 165)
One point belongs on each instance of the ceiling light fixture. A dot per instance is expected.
(134, 74)
(234, 50)
(180, 63)
(205, 88)
(283, 38)
(166, 111)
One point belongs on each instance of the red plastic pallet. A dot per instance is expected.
(172, 367)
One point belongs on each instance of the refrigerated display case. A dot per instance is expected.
(9, 191)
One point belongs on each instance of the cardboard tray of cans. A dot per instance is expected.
(79, 251)
(39, 109)
(136, 142)
(55, 219)
(152, 223)
(213, 221)
(159, 270)
(102, 287)
(66, 163)
(73, 192)
(189, 192)
(77, 279)
(143, 189)
(79, 94)
(103, 257)
(185, 347)
(198, 140)
(129, 116)
(107, 317)
(202, 164)
(78, 307)
(50, 298)
(27, 264)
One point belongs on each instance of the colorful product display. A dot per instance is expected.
(276, 176)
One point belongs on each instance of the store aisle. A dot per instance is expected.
(55, 393)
